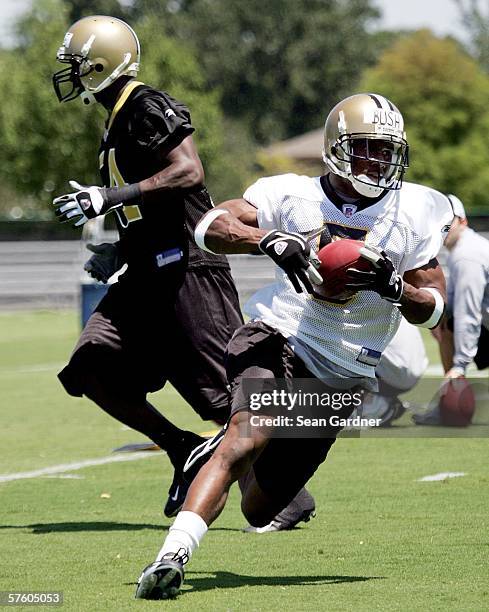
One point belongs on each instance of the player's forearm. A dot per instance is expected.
(227, 234)
(183, 174)
(418, 305)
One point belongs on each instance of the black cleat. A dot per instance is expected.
(176, 495)
(179, 487)
(299, 510)
(200, 455)
(430, 417)
(162, 579)
(278, 524)
(197, 456)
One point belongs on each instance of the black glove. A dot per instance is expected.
(292, 253)
(105, 262)
(384, 280)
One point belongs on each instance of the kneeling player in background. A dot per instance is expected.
(463, 335)
(295, 335)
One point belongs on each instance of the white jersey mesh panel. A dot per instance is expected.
(342, 333)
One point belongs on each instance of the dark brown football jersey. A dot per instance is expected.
(156, 237)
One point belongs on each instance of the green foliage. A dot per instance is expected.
(167, 66)
(443, 94)
(44, 143)
(279, 64)
(476, 22)
(83, 8)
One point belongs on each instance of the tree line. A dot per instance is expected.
(252, 73)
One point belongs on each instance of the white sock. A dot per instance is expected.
(186, 532)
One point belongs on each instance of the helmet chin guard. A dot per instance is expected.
(363, 188)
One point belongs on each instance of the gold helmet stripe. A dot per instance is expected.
(130, 87)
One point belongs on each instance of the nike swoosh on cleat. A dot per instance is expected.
(175, 497)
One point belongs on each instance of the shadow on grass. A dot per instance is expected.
(228, 580)
(93, 526)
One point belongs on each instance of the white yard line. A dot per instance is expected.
(39, 367)
(441, 476)
(80, 465)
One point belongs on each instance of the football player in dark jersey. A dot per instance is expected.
(170, 315)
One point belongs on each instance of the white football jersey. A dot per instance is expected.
(409, 225)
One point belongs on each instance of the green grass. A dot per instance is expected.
(381, 540)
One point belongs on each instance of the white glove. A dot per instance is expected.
(80, 206)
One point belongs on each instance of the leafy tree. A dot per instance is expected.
(82, 8)
(44, 143)
(280, 64)
(442, 94)
(476, 22)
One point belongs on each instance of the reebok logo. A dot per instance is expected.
(85, 203)
(280, 247)
(170, 113)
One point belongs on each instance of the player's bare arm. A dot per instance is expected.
(419, 300)
(232, 227)
(182, 170)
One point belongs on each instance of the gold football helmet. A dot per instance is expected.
(365, 143)
(99, 50)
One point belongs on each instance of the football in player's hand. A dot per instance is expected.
(336, 257)
(457, 403)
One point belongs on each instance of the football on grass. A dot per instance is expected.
(457, 403)
(336, 257)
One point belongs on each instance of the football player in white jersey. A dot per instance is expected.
(292, 333)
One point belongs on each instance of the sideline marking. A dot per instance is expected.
(441, 476)
(32, 369)
(80, 465)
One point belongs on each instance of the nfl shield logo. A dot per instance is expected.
(349, 209)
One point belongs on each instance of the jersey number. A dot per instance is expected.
(129, 213)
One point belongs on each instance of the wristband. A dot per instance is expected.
(438, 311)
(127, 195)
(203, 226)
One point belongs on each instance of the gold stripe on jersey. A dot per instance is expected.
(122, 100)
(132, 213)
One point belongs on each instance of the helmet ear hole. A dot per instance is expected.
(99, 68)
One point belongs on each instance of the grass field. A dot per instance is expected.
(381, 540)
